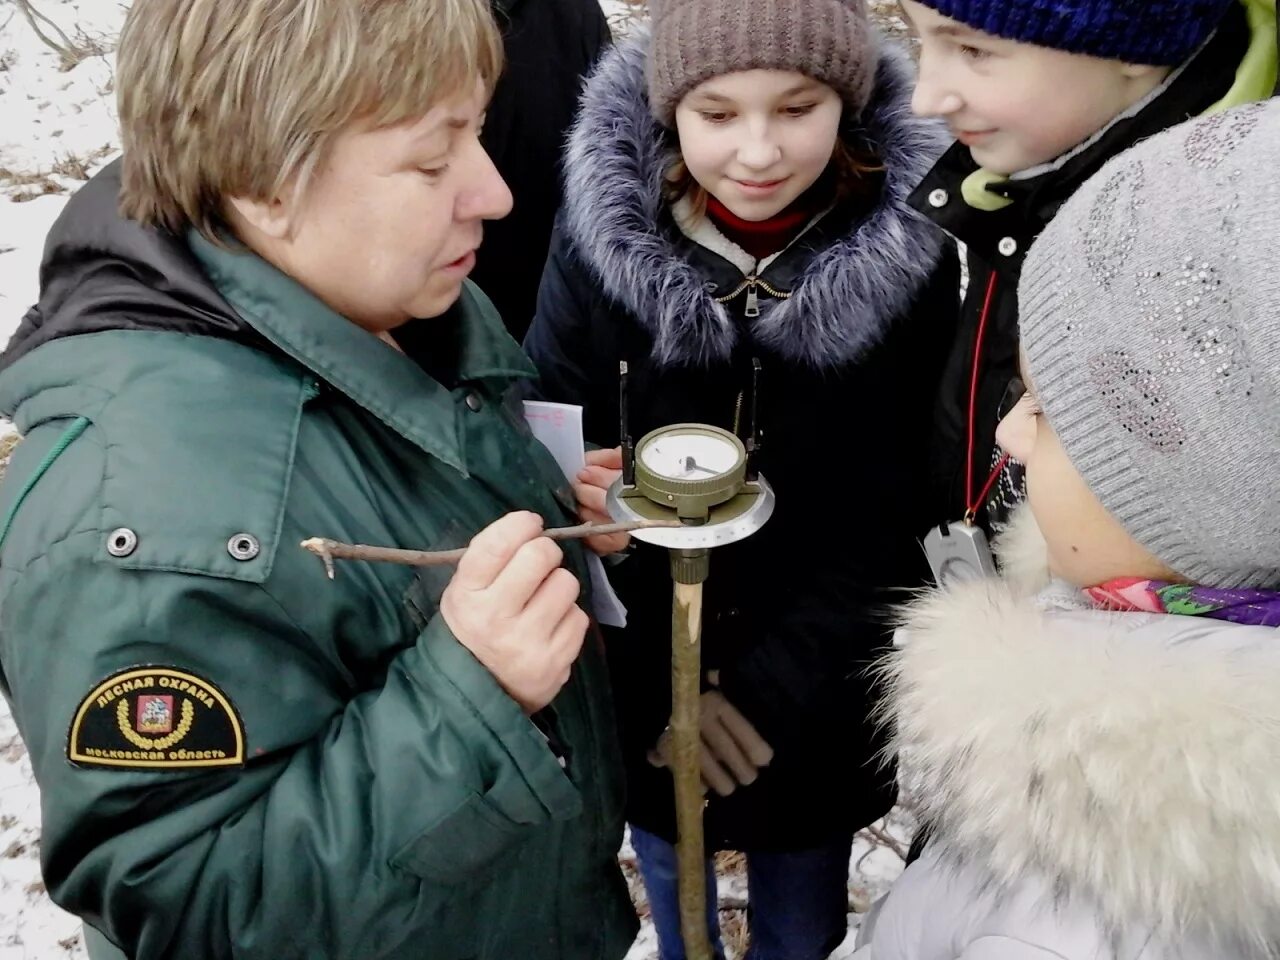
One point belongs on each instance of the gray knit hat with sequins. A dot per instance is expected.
(694, 40)
(1150, 317)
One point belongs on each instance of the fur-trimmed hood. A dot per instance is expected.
(1130, 760)
(849, 294)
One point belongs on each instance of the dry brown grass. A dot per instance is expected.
(24, 185)
(7, 444)
(72, 167)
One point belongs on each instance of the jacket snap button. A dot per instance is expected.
(121, 542)
(1008, 246)
(939, 199)
(244, 546)
(474, 403)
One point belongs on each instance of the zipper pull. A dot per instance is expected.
(753, 300)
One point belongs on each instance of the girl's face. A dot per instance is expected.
(1087, 546)
(756, 140)
(1016, 105)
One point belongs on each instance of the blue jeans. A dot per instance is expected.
(798, 903)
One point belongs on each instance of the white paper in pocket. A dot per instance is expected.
(559, 428)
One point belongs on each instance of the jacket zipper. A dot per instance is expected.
(752, 285)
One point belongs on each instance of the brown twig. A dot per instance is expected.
(330, 550)
(885, 839)
(62, 46)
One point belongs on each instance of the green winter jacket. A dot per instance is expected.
(237, 756)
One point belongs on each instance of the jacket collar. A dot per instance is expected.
(387, 383)
(1128, 759)
(845, 295)
(999, 218)
(702, 231)
(102, 272)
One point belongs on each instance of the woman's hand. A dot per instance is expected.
(603, 469)
(515, 608)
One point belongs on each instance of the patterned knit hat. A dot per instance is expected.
(1150, 317)
(694, 40)
(1161, 33)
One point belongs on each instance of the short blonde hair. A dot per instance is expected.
(226, 98)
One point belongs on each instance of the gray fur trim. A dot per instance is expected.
(849, 294)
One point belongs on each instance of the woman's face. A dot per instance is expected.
(388, 227)
(756, 140)
(1087, 546)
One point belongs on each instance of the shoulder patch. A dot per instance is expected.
(156, 718)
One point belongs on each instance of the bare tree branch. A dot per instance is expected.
(35, 18)
(330, 550)
(70, 52)
(886, 840)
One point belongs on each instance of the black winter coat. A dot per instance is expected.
(998, 241)
(550, 45)
(794, 615)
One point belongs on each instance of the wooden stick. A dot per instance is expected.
(686, 742)
(330, 550)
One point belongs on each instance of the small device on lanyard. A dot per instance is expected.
(958, 552)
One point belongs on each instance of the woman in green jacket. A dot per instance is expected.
(254, 329)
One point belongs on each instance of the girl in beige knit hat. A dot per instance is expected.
(736, 228)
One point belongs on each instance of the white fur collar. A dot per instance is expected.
(1132, 760)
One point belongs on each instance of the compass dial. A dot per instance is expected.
(690, 456)
(690, 467)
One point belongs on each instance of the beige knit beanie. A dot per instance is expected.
(694, 40)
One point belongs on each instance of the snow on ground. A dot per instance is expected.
(22, 230)
(57, 127)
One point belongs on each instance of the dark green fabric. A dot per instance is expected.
(396, 803)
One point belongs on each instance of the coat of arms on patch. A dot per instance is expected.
(156, 718)
(154, 714)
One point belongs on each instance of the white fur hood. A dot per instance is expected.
(1130, 760)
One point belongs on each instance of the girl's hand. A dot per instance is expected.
(603, 469)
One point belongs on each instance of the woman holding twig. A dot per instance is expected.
(238, 756)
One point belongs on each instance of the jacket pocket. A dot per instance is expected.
(465, 845)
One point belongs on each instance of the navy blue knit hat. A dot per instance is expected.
(1161, 33)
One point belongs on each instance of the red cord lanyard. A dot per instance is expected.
(975, 503)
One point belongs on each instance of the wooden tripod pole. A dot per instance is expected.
(686, 741)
